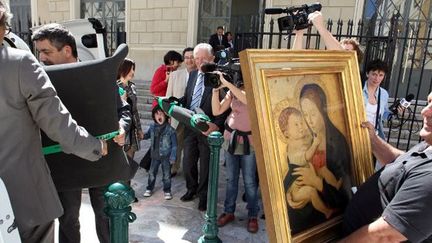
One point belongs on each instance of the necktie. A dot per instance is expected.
(197, 94)
(220, 40)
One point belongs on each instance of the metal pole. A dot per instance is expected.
(118, 197)
(210, 228)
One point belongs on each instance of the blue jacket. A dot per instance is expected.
(167, 142)
(384, 111)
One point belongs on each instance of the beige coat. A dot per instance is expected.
(176, 87)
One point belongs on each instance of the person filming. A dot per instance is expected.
(239, 152)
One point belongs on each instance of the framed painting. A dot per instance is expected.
(306, 107)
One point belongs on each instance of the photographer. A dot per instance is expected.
(239, 153)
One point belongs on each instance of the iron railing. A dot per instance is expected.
(405, 46)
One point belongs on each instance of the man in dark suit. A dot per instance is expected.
(56, 45)
(196, 146)
(218, 40)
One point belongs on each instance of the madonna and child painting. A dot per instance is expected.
(306, 108)
(318, 156)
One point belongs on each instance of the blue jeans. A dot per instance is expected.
(247, 163)
(166, 171)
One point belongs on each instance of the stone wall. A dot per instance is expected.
(156, 26)
(51, 10)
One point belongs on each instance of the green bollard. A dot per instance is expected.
(210, 227)
(118, 197)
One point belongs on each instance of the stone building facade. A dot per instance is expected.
(154, 27)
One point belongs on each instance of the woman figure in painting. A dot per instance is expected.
(300, 152)
(332, 152)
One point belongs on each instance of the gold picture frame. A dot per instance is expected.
(291, 87)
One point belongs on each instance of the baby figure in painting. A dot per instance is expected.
(300, 152)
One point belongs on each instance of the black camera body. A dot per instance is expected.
(297, 16)
(230, 70)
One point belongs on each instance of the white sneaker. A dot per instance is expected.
(147, 193)
(167, 196)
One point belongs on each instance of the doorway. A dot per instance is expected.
(234, 15)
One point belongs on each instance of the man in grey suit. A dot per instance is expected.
(28, 103)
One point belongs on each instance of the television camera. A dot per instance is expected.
(297, 16)
(229, 67)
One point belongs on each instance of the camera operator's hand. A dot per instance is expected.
(224, 82)
(403, 112)
(317, 20)
(212, 127)
(237, 92)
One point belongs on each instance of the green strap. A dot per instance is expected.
(172, 104)
(171, 109)
(159, 101)
(56, 147)
(121, 91)
(108, 136)
(194, 119)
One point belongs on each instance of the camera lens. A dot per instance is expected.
(212, 80)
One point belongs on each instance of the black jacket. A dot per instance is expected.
(205, 104)
(214, 42)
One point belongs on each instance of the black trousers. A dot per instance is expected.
(40, 234)
(196, 148)
(69, 226)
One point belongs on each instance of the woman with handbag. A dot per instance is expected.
(125, 73)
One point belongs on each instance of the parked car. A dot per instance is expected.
(90, 37)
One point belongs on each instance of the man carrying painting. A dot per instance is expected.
(393, 205)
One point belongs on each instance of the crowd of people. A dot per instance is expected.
(230, 114)
(392, 205)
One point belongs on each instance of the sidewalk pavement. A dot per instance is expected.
(159, 220)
